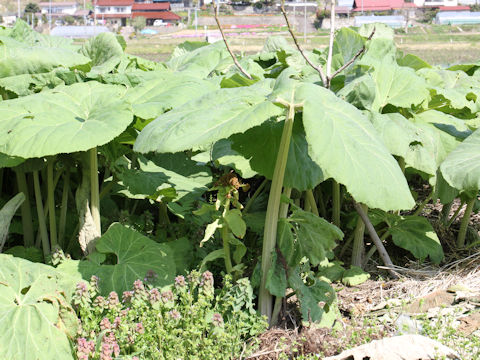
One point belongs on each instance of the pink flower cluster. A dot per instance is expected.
(85, 348)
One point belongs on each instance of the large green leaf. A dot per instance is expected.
(434, 145)
(223, 153)
(347, 148)
(311, 296)
(396, 131)
(201, 61)
(135, 255)
(6, 214)
(379, 50)
(152, 98)
(205, 120)
(276, 278)
(20, 60)
(461, 168)
(394, 86)
(64, 120)
(315, 236)
(449, 125)
(166, 177)
(421, 144)
(412, 61)
(346, 45)
(415, 234)
(354, 276)
(27, 84)
(105, 52)
(187, 47)
(360, 92)
(29, 312)
(382, 31)
(9, 161)
(24, 33)
(455, 86)
(261, 144)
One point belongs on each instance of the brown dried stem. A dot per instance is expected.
(376, 240)
(352, 60)
(317, 68)
(237, 64)
(326, 79)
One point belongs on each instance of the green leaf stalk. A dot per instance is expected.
(64, 207)
(27, 224)
(51, 203)
(273, 207)
(464, 224)
(41, 215)
(358, 240)
(95, 191)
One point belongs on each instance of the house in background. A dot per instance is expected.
(118, 11)
(382, 5)
(113, 11)
(154, 11)
(344, 7)
(442, 5)
(58, 9)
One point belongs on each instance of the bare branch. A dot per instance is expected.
(376, 240)
(332, 37)
(352, 60)
(317, 68)
(237, 64)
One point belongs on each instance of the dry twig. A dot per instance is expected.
(352, 60)
(317, 68)
(376, 240)
(237, 64)
(326, 79)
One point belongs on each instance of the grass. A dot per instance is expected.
(444, 45)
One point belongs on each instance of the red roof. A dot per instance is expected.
(162, 15)
(113, 2)
(57, 4)
(112, 16)
(454, 8)
(380, 5)
(151, 6)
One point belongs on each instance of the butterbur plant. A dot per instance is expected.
(188, 320)
(228, 219)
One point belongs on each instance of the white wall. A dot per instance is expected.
(67, 10)
(113, 9)
(436, 2)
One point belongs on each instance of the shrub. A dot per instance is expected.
(139, 23)
(189, 320)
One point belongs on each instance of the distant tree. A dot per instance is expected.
(32, 8)
(139, 23)
(70, 20)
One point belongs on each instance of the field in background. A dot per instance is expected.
(439, 45)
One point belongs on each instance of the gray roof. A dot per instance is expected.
(78, 31)
(457, 17)
(393, 21)
(346, 3)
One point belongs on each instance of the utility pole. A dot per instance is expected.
(294, 16)
(305, 21)
(18, 11)
(196, 20)
(50, 17)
